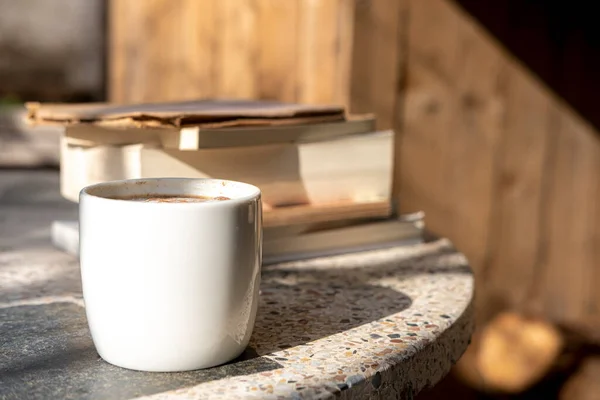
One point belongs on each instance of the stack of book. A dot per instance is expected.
(326, 176)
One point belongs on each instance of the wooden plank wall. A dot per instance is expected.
(501, 166)
(185, 49)
(498, 163)
(295, 50)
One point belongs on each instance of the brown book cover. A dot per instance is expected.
(203, 113)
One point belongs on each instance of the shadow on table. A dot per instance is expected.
(291, 314)
(303, 304)
(46, 352)
(294, 314)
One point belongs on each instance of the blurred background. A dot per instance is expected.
(493, 104)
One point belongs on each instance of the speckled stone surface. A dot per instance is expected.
(47, 353)
(381, 324)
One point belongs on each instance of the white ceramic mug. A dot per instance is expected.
(170, 286)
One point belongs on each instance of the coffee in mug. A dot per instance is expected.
(173, 198)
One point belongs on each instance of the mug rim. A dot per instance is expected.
(254, 195)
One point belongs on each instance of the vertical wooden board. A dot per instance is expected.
(586, 218)
(315, 49)
(344, 48)
(142, 38)
(428, 112)
(237, 54)
(117, 50)
(325, 51)
(567, 274)
(480, 73)
(377, 53)
(517, 222)
(161, 50)
(194, 69)
(454, 113)
(277, 26)
(160, 23)
(123, 84)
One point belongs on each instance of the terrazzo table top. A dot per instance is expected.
(381, 324)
